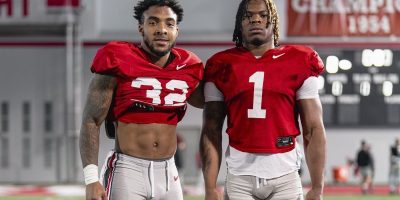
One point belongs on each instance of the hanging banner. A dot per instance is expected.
(343, 18)
(34, 11)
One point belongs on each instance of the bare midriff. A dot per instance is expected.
(147, 141)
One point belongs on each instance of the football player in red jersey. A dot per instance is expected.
(142, 90)
(262, 88)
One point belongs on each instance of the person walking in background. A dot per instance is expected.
(144, 88)
(394, 171)
(365, 167)
(263, 89)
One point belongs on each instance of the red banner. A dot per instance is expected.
(61, 3)
(343, 18)
(17, 12)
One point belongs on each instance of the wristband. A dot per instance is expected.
(91, 174)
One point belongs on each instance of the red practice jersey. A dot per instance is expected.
(145, 92)
(260, 94)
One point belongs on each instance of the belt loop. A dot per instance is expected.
(257, 182)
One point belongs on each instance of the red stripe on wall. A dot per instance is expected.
(36, 44)
(210, 44)
(194, 44)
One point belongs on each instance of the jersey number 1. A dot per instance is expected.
(256, 112)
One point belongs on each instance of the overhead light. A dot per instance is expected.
(367, 57)
(388, 57)
(345, 64)
(365, 88)
(337, 88)
(378, 57)
(387, 88)
(332, 64)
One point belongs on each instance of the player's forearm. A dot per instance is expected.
(196, 99)
(210, 151)
(211, 142)
(315, 150)
(97, 105)
(89, 143)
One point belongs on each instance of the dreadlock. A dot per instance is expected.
(143, 5)
(273, 19)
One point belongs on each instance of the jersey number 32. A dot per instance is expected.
(172, 99)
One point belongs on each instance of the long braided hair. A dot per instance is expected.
(272, 20)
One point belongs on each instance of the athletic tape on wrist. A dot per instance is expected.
(91, 174)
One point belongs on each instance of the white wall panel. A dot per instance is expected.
(36, 76)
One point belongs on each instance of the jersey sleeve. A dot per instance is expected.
(210, 71)
(105, 60)
(199, 72)
(192, 60)
(309, 89)
(212, 93)
(315, 63)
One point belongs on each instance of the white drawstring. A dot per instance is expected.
(166, 173)
(151, 173)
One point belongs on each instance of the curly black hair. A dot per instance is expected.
(273, 19)
(143, 5)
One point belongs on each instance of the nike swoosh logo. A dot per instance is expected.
(176, 178)
(178, 67)
(277, 56)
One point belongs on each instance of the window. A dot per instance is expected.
(48, 117)
(26, 117)
(48, 149)
(4, 153)
(26, 149)
(4, 117)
